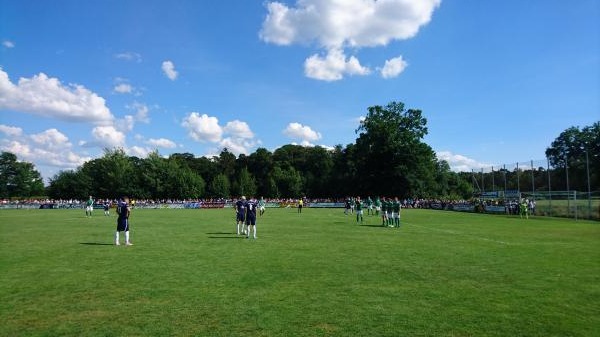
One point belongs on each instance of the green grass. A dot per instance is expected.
(580, 208)
(318, 273)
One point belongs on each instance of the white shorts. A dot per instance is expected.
(89, 208)
(378, 208)
(262, 208)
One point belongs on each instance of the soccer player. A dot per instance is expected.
(396, 207)
(369, 205)
(261, 206)
(123, 221)
(89, 206)
(377, 204)
(523, 209)
(347, 206)
(106, 207)
(240, 215)
(300, 204)
(384, 217)
(251, 217)
(358, 205)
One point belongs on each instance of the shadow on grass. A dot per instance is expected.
(227, 237)
(380, 226)
(96, 244)
(224, 235)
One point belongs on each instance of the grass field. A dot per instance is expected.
(318, 273)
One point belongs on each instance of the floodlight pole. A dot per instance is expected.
(549, 187)
(587, 170)
(568, 190)
(518, 183)
(532, 181)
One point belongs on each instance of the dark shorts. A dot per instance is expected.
(122, 225)
(251, 221)
(240, 217)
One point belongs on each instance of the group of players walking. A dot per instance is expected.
(389, 209)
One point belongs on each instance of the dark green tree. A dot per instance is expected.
(220, 187)
(246, 183)
(580, 150)
(288, 181)
(19, 179)
(69, 184)
(260, 165)
(112, 175)
(392, 158)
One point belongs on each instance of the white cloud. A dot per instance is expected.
(333, 66)
(48, 150)
(123, 88)
(202, 127)
(460, 163)
(169, 69)
(106, 137)
(301, 132)
(11, 131)
(162, 142)
(393, 67)
(137, 151)
(238, 129)
(129, 56)
(8, 44)
(237, 146)
(51, 139)
(340, 24)
(236, 135)
(141, 112)
(48, 97)
(240, 138)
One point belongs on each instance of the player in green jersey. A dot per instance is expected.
(369, 205)
(377, 204)
(358, 207)
(89, 207)
(384, 206)
(396, 207)
(523, 209)
(261, 206)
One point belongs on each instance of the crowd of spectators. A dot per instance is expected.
(407, 203)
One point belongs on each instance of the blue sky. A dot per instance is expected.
(498, 81)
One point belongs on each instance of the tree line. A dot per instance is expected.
(388, 158)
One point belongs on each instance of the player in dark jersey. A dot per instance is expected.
(240, 215)
(123, 220)
(251, 206)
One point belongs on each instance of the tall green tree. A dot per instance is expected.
(246, 183)
(288, 181)
(112, 175)
(579, 149)
(69, 184)
(260, 165)
(19, 179)
(220, 187)
(392, 158)
(182, 182)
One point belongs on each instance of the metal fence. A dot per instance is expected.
(568, 191)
